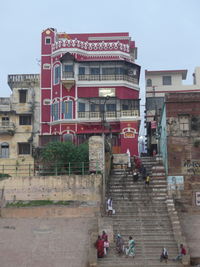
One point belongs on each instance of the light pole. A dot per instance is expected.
(103, 155)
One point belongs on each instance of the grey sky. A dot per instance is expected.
(166, 32)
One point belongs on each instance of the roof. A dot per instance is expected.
(161, 72)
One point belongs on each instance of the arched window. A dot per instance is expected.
(149, 82)
(57, 74)
(55, 110)
(4, 150)
(67, 109)
(67, 138)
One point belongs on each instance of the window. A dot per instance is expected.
(4, 150)
(25, 120)
(48, 40)
(81, 107)
(94, 107)
(24, 148)
(111, 107)
(56, 74)
(130, 104)
(95, 71)
(46, 102)
(167, 80)
(149, 82)
(184, 122)
(108, 71)
(46, 66)
(68, 68)
(120, 71)
(55, 111)
(67, 137)
(67, 109)
(22, 96)
(5, 121)
(81, 71)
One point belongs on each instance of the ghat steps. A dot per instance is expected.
(142, 213)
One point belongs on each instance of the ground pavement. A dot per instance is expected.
(53, 242)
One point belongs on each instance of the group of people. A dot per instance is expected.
(145, 176)
(164, 255)
(121, 249)
(102, 245)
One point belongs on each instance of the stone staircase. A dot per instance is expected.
(142, 213)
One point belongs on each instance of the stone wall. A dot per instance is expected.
(183, 143)
(74, 187)
(96, 153)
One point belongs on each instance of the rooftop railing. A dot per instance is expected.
(15, 80)
(102, 77)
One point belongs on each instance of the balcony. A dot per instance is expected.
(108, 114)
(102, 77)
(7, 128)
(68, 79)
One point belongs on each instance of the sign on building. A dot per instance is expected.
(175, 183)
(191, 167)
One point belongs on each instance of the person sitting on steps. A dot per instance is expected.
(164, 255)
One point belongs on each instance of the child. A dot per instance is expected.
(147, 180)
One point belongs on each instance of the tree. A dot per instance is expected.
(65, 157)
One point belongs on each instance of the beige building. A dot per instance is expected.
(19, 124)
(158, 83)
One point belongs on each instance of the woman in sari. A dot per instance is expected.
(99, 244)
(130, 251)
(119, 245)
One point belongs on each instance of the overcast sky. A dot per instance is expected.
(166, 32)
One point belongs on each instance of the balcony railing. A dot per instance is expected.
(102, 77)
(108, 114)
(67, 75)
(23, 80)
(7, 127)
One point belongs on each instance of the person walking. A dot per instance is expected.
(182, 252)
(164, 255)
(109, 206)
(119, 245)
(104, 237)
(135, 176)
(99, 244)
(130, 251)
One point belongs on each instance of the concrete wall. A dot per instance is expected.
(77, 188)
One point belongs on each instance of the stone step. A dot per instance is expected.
(141, 212)
(144, 262)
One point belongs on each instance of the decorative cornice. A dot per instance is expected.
(97, 46)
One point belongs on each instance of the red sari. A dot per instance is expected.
(100, 248)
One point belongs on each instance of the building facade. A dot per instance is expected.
(19, 124)
(158, 83)
(90, 86)
(180, 144)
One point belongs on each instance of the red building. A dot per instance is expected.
(90, 85)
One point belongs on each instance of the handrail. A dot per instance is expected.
(104, 77)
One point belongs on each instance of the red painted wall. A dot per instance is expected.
(45, 111)
(122, 92)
